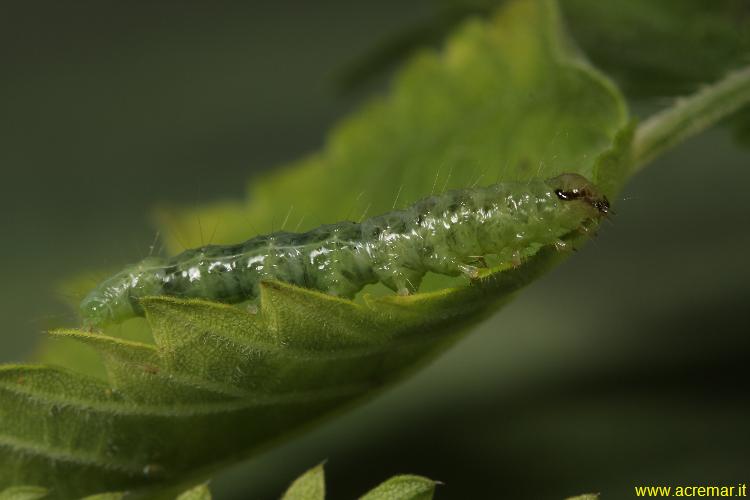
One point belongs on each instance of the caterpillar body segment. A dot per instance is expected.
(446, 234)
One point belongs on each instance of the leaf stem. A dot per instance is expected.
(690, 115)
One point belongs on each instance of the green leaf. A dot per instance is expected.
(403, 488)
(23, 493)
(507, 98)
(112, 496)
(36, 492)
(652, 49)
(200, 492)
(309, 486)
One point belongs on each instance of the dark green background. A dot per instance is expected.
(625, 366)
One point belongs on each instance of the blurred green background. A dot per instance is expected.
(626, 366)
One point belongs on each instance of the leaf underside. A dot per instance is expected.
(507, 98)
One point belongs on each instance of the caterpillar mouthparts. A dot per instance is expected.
(577, 187)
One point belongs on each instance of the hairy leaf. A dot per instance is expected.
(36, 492)
(200, 492)
(23, 493)
(506, 99)
(309, 486)
(655, 50)
(403, 488)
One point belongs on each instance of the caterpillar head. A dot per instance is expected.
(116, 297)
(569, 187)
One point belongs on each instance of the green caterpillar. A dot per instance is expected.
(446, 234)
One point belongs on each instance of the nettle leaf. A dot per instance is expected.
(654, 50)
(200, 492)
(309, 486)
(113, 496)
(503, 101)
(403, 488)
(507, 98)
(23, 493)
(312, 486)
(36, 492)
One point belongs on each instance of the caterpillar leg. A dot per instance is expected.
(515, 259)
(406, 285)
(405, 282)
(478, 261)
(471, 272)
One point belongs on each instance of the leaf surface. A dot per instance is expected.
(200, 492)
(506, 99)
(23, 493)
(403, 488)
(654, 50)
(309, 486)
